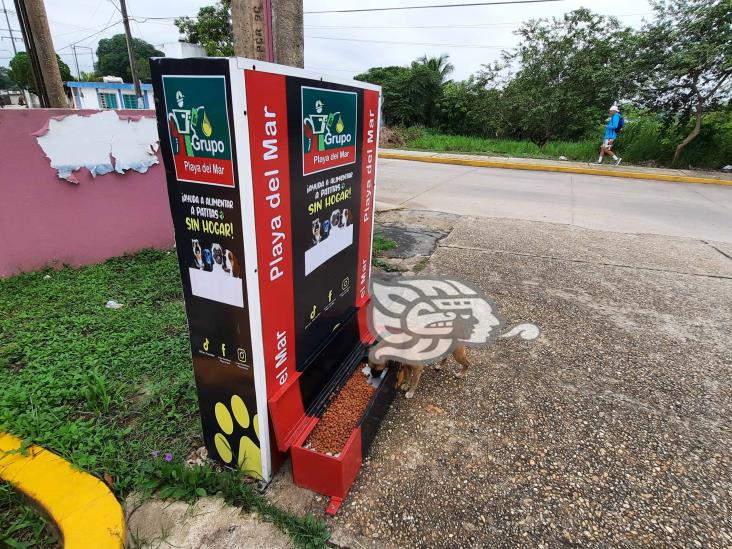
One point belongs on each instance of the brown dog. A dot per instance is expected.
(410, 373)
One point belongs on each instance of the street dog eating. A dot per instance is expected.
(411, 372)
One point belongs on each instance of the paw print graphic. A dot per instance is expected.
(234, 423)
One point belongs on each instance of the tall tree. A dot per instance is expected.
(22, 73)
(440, 65)
(6, 80)
(685, 60)
(114, 60)
(211, 28)
(394, 81)
(569, 72)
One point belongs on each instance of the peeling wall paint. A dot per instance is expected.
(102, 142)
(50, 224)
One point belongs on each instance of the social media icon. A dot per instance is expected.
(330, 296)
(241, 355)
(205, 345)
(223, 349)
(312, 313)
(346, 283)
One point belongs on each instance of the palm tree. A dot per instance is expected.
(440, 65)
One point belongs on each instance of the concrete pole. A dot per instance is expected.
(287, 22)
(130, 53)
(76, 60)
(38, 23)
(249, 21)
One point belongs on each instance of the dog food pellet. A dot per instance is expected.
(337, 423)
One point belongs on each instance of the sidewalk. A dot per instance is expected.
(534, 164)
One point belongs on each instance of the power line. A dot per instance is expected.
(476, 26)
(87, 37)
(395, 8)
(332, 69)
(479, 46)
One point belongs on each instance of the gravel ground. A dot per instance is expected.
(611, 429)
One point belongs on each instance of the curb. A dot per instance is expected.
(552, 168)
(86, 513)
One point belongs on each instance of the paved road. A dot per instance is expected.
(594, 202)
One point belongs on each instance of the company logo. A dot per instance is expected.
(198, 125)
(423, 320)
(329, 129)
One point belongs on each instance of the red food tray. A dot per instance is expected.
(333, 475)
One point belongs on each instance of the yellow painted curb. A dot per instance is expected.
(82, 507)
(552, 168)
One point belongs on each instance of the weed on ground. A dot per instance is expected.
(105, 388)
(382, 244)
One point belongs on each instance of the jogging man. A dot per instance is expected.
(614, 124)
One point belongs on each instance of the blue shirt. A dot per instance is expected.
(611, 130)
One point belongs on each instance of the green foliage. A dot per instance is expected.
(557, 85)
(22, 74)
(570, 71)
(89, 77)
(211, 28)
(646, 139)
(113, 59)
(6, 79)
(382, 244)
(21, 526)
(684, 62)
(102, 387)
(411, 94)
(469, 108)
(105, 388)
(431, 141)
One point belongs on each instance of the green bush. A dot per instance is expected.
(644, 140)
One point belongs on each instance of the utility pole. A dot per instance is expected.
(251, 36)
(269, 30)
(76, 60)
(130, 53)
(38, 43)
(287, 18)
(10, 29)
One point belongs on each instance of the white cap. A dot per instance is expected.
(615, 108)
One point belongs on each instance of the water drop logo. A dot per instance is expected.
(206, 126)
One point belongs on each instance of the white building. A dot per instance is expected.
(109, 95)
(180, 50)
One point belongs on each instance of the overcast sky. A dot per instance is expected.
(389, 38)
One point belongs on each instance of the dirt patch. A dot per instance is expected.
(207, 523)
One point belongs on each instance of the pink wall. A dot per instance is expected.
(46, 221)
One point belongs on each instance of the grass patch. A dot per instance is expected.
(103, 387)
(382, 244)
(21, 525)
(584, 151)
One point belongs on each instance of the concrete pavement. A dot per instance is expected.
(610, 430)
(588, 201)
